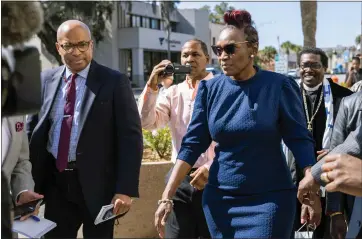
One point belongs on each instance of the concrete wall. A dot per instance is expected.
(139, 222)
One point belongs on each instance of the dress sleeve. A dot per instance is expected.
(293, 125)
(197, 138)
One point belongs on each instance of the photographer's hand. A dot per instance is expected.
(26, 197)
(155, 77)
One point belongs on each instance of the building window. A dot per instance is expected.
(136, 21)
(213, 41)
(155, 24)
(173, 26)
(145, 22)
(127, 21)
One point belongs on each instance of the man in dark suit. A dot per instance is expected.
(86, 143)
(343, 170)
(321, 98)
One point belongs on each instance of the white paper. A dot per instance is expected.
(33, 229)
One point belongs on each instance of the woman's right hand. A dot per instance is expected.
(155, 77)
(161, 215)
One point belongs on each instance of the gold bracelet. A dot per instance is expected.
(335, 214)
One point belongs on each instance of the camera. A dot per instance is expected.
(177, 69)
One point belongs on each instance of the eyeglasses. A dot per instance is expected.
(311, 65)
(228, 48)
(81, 46)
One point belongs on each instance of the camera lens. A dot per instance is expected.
(169, 69)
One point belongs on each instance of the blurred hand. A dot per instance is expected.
(161, 215)
(155, 77)
(344, 173)
(312, 214)
(122, 203)
(338, 227)
(306, 186)
(26, 197)
(200, 178)
(321, 154)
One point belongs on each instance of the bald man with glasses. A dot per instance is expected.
(86, 143)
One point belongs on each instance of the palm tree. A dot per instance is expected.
(167, 8)
(269, 53)
(309, 22)
(296, 48)
(287, 47)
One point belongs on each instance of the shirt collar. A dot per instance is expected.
(83, 73)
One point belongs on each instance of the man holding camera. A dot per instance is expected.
(174, 107)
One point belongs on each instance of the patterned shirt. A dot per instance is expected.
(57, 112)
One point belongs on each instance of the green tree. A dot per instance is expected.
(287, 47)
(167, 8)
(268, 53)
(217, 14)
(297, 48)
(94, 14)
(309, 22)
(358, 40)
(219, 11)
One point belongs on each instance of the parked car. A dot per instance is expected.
(294, 73)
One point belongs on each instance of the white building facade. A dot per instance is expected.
(138, 40)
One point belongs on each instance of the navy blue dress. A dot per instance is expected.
(250, 192)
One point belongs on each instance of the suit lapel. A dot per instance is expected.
(50, 91)
(93, 85)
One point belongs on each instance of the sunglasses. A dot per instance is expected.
(228, 48)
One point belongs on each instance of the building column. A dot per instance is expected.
(137, 67)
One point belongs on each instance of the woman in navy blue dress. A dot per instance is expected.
(248, 112)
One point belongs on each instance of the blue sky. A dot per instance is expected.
(338, 23)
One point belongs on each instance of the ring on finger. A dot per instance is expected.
(325, 178)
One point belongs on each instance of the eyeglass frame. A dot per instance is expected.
(228, 44)
(75, 45)
(312, 68)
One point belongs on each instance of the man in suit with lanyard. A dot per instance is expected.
(86, 143)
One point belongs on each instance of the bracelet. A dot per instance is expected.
(166, 201)
(335, 214)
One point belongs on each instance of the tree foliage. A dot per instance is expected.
(94, 14)
(288, 47)
(217, 14)
(358, 40)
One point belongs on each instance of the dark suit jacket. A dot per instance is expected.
(110, 145)
(346, 139)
